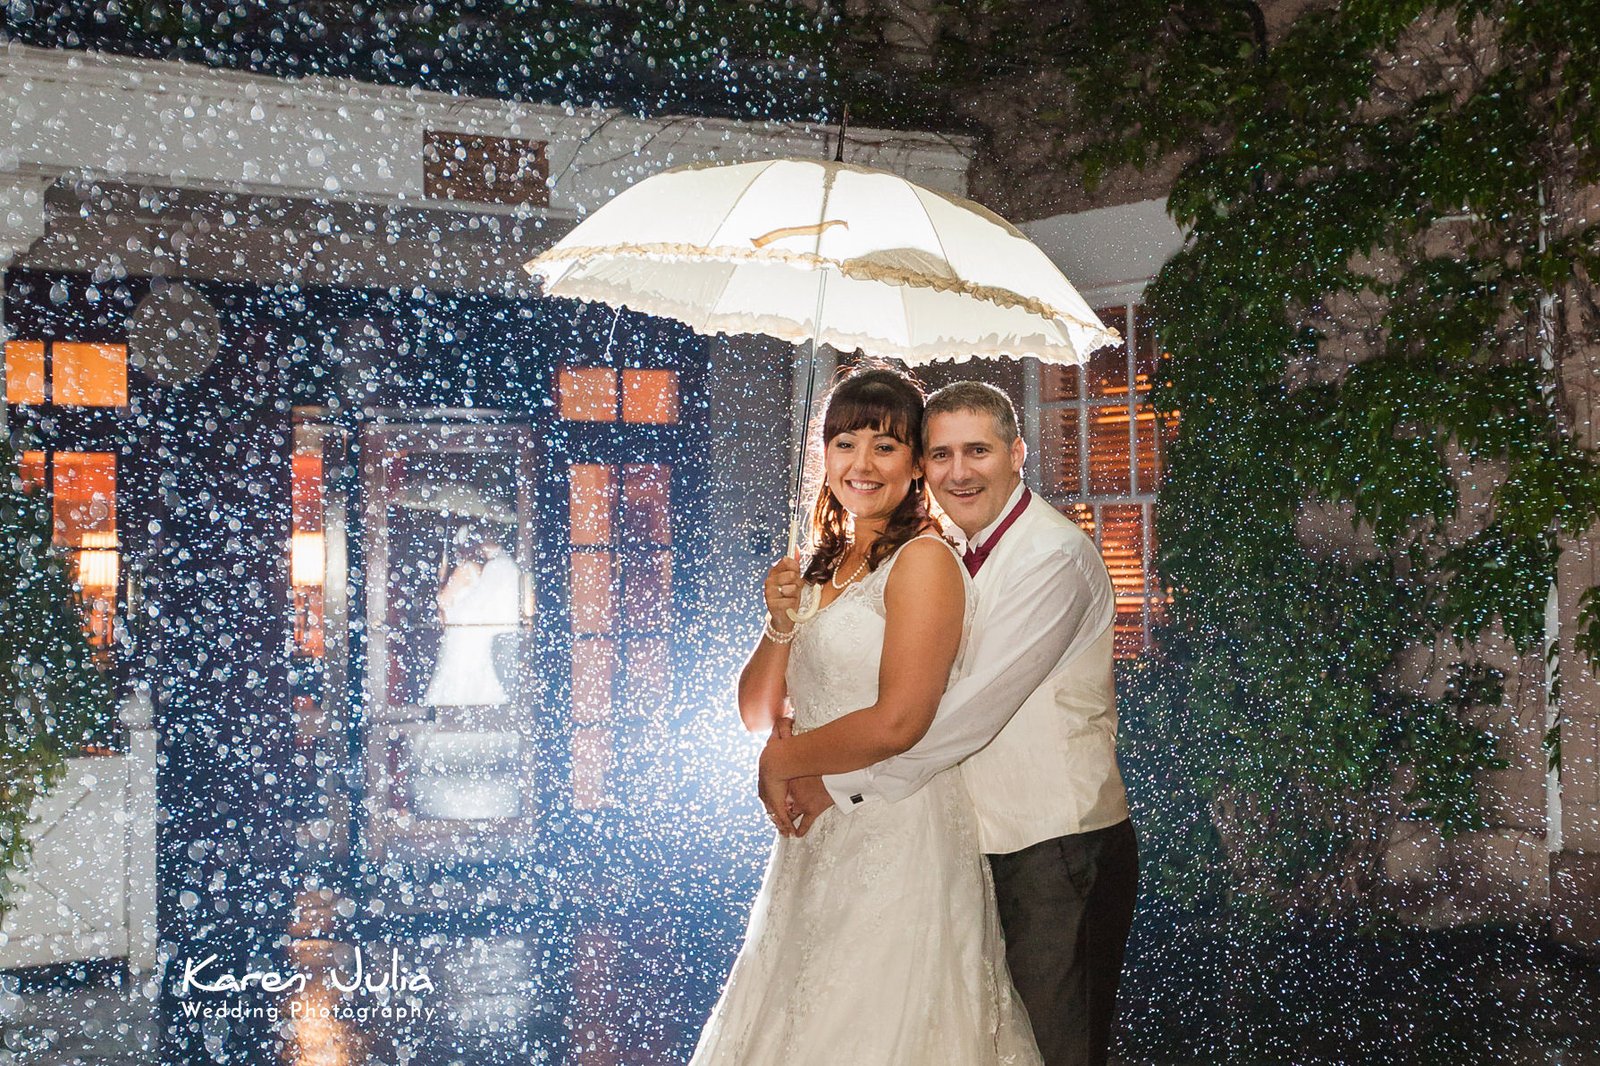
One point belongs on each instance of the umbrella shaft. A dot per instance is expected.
(797, 483)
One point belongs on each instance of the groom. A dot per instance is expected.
(1035, 720)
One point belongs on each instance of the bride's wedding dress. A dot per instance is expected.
(874, 940)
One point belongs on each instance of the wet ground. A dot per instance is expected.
(1451, 998)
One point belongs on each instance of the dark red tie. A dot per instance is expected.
(974, 557)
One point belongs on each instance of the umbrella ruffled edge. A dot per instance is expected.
(858, 269)
(1056, 354)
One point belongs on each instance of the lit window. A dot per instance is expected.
(593, 497)
(591, 768)
(650, 396)
(89, 375)
(647, 589)
(24, 372)
(587, 393)
(85, 506)
(592, 609)
(594, 667)
(647, 503)
(84, 509)
(81, 375)
(307, 553)
(619, 529)
(30, 470)
(1102, 446)
(649, 678)
(591, 394)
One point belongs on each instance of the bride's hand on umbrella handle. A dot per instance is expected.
(782, 590)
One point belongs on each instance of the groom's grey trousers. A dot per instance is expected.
(1066, 905)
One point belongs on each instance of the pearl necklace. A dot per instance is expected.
(834, 578)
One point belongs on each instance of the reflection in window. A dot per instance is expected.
(79, 375)
(621, 608)
(1102, 448)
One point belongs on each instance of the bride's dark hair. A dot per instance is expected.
(885, 400)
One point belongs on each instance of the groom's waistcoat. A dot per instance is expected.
(1053, 769)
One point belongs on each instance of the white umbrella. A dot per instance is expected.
(777, 247)
(825, 252)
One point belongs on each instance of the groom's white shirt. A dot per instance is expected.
(1034, 713)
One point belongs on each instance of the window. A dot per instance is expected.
(67, 373)
(484, 170)
(24, 372)
(83, 510)
(307, 548)
(31, 471)
(598, 394)
(620, 556)
(1101, 447)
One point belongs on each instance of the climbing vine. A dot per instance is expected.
(1389, 281)
(53, 699)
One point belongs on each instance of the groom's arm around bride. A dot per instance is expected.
(1033, 724)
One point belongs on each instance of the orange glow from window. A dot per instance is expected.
(1109, 451)
(592, 608)
(24, 372)
(84, 513)
(30, 468)
(306, 492)
(587, 393)
(89, 375)
(594, 664)
(85, 499)
(97, 569)
(592, 494)
(308, 553)
(650, 396)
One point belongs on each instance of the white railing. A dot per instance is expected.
(88, 891)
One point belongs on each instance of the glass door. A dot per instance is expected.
(453, 700)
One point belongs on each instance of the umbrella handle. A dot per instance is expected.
(810, 604)
(810, 595)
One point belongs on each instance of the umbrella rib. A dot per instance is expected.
(932, 227)
(737, 200)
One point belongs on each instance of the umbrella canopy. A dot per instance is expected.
(828, 252)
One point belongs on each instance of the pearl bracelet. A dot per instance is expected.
(773, 635)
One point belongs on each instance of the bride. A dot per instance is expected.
(874, 939)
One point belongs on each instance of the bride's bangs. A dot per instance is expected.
(877, 407)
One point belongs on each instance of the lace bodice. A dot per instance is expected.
(833, 663)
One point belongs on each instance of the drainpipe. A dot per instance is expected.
(1552, 608)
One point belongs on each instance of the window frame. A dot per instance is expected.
(1037, 411)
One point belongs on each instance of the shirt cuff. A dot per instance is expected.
(849, 790)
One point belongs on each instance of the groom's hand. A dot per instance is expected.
(808, 798)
